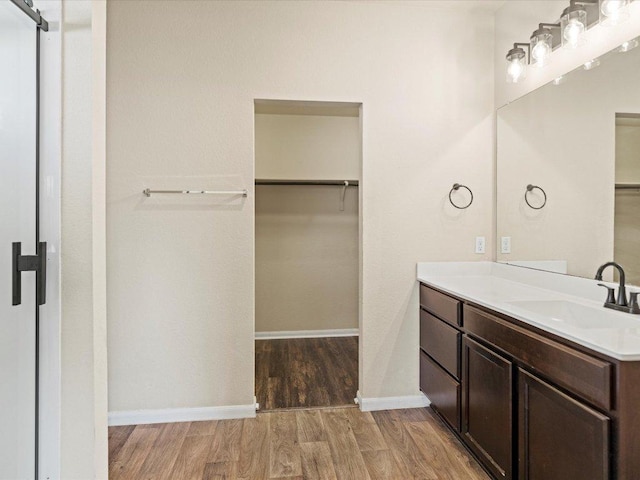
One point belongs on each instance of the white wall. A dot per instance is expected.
(182, 79)
(306, 247)
(83, 337)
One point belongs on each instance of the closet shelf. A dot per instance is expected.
(342, 183)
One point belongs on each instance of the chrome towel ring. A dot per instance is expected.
(530, 188)
(456, 187)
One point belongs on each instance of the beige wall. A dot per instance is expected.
(306, 259)
(83, 435)
(628, 149)
(307, 146)
(181, 82)
(562, 138)
(627, 226)
(306, 247)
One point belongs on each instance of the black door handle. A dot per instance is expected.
(29, 263)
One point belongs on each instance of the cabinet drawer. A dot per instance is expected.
(447, 308)
(442, 390)
(580, 373)
(441, 341)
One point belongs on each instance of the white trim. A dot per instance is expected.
(392, 403)
(50, 413)
(339, 332)
(168, 415)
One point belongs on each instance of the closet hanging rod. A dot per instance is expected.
(627, 186)
(351, 183)
(148, 192)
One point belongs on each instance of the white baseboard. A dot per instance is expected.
(340, 332)
(169, 415)
(392, 403)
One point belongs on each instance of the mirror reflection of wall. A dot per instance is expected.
(562, 137)
(627, 206)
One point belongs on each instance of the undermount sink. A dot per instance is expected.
(577, 315)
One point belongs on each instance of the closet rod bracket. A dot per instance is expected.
(344, 193)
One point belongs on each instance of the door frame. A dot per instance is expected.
(50, 152)
(353, 103)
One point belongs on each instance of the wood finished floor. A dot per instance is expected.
(338, 444)
(306, 372)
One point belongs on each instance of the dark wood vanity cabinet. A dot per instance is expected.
(529, 405)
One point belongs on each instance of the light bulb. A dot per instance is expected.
(573, 31)
(573, 24)
(541, 41)
(558, 80)
(515, 70)
(541, 52)
(611, 7)
(613, 12)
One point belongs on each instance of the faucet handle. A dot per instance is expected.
(634, 307)
(611, 296)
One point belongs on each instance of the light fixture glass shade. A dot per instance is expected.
(573, 24)
(541, 46)
(613, 12)
(516, 65)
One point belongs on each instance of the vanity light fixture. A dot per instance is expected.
(630, 45)
(517, 61)
(591, 64)
(542, 43)
(613, 12)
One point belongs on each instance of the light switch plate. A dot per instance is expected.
(505, 245)
(480, 244)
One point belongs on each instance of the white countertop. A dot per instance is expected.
(512, 290)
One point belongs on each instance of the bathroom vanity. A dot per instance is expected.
(535, 377)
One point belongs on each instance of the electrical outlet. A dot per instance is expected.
(505, 245)
(480, 244)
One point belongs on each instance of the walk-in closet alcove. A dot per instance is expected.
(307, 244)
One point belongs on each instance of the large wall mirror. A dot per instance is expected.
(576, 144)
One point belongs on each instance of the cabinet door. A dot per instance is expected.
(487, 407)
(559, 437)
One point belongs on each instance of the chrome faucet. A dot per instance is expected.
(619, 303)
